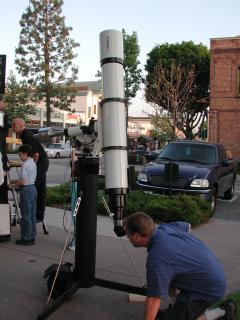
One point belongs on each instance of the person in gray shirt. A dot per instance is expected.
(28, 195)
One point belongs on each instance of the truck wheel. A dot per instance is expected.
(213, 201)
(228, 195)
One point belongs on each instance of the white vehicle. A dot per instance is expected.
(58, 150)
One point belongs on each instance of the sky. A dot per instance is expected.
(155, 21)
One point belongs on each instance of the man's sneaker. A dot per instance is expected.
(25, 242)
(230, 307)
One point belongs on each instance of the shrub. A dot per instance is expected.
(160, 207)
(101, 183)
(164, 208)
(58, 194)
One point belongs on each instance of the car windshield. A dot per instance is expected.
(188, 152)
(53, 146)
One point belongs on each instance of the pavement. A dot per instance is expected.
(23, 293)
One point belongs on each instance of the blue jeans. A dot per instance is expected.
(28, 197)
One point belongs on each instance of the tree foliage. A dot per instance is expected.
(45, 54)
(174, 91)
(17, 99)
(177, 81)
(132, 77)
(162, 128)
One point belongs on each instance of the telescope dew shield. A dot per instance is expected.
(114, 120)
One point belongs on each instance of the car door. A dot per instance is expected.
(63, 150)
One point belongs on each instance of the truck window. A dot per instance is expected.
(189, 152)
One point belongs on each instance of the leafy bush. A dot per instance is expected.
(58, 194)
(101, 183)
(160, 207)
(164, 208)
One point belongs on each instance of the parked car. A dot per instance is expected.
(58, 150)
(202, 168)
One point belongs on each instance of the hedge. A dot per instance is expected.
(160, 207)
(163, 208)
(59, 195)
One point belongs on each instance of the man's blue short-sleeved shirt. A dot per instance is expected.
(178, 259)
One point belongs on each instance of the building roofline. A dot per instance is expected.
(225, 38)
(138, 118)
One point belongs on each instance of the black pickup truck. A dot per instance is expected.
(203, 168)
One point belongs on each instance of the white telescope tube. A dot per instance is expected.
(114, 122)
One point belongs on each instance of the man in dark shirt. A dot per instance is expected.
(40, 157)
(3, 135)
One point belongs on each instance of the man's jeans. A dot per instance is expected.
(28, 197)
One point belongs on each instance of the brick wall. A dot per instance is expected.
(224, 113)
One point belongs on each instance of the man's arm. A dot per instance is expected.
(152, 305)
(17, 183)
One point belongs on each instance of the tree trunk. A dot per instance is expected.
(47, 68)
(48, 109)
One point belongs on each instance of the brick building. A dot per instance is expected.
(224, 114)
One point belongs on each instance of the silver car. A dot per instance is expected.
(58, 150)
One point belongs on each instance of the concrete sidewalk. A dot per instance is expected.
(24, 293)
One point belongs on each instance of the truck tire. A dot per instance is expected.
(228, 195)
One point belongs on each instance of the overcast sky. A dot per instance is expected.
(155, 21)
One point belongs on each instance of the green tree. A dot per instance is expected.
(173, 94)
(132, 77)
(172, 65)
(17, 99)
(45, 54)
(162, 128)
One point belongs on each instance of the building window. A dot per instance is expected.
(95, 109)
(89, 112)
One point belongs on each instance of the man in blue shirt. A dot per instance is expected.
(178, 261)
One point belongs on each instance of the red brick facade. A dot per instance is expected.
(224, 114)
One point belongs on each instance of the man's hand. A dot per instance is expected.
(152, 305)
